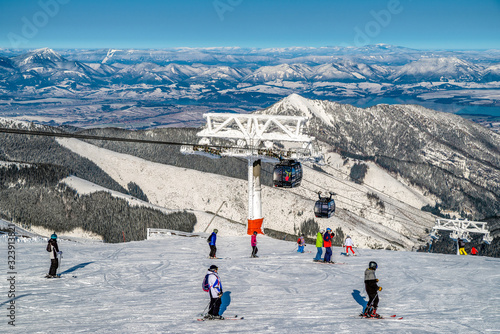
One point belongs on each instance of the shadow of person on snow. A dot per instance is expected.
(78, 266)
(225, 301)
(359, 299)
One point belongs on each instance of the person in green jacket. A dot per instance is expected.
(319, 245)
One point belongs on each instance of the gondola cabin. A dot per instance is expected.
(324, 207)
(287, 174)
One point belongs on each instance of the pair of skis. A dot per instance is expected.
(392, 317)
(225, 318)
(321, 261)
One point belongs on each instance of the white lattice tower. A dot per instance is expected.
(461, 229)
(254, 137)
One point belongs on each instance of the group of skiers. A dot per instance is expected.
(212, 240)
(324, 239)
(212, 284)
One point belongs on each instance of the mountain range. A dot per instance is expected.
(89, 88)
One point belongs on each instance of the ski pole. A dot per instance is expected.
(376, 296)
(203, 313)
(59, 265)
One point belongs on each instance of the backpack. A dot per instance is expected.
(205, 286)
(209, 237)
(298, 241)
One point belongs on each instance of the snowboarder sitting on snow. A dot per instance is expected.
(461, 247)
(215, 292)
(348, 245)
(319, 245)
(211, 242)
(53, 248)
(253, 242)
(301, 243)
(327, 243)
(372, 290)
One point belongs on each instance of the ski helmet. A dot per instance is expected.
(328, 229)
(373, 265)
(348, 236)
(254, 232)
(213, 267)
(216, 230)
(53, 236)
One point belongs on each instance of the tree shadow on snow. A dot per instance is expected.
(78, 266)
(358, 298)
(225, 301)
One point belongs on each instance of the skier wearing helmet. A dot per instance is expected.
(53, 248)
(372, 290)
(211, 242)
(215, 292)
(327, 243)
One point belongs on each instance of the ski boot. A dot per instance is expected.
(374, 314)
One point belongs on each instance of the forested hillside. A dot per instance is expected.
(32, 195)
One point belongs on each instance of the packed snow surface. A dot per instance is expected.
(154, 286)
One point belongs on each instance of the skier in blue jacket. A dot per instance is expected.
(211, 242)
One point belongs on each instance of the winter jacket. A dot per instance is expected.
(213, 239)
(52, 248)
(348, 242)
(327, 239)
(254, 240)
(215, 284)
(302, 241)
(370, 281)
(319, 240)
(461, 243)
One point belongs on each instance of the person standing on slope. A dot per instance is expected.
(53, 248)
(212, 239)
(319, 245)
(253, 242)
(301, 243)
(327, 243)
(348, 245)
(461, 247)
(215, 292)
(372, 290)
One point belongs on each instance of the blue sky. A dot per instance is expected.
(423, 24)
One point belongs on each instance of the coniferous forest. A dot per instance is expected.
(32, 195)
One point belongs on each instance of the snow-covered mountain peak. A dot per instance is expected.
(297, 105)
(41, 55)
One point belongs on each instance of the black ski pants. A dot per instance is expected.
(213, 250)
(54, 263)
(214, 306)
(254, 251)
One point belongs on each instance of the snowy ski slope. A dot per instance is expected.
(155, 287)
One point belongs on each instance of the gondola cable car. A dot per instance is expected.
(287, 174)
(325, 206)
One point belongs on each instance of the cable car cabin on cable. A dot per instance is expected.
(324, 207)
(287, 174)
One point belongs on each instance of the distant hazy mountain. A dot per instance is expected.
(236, 79)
